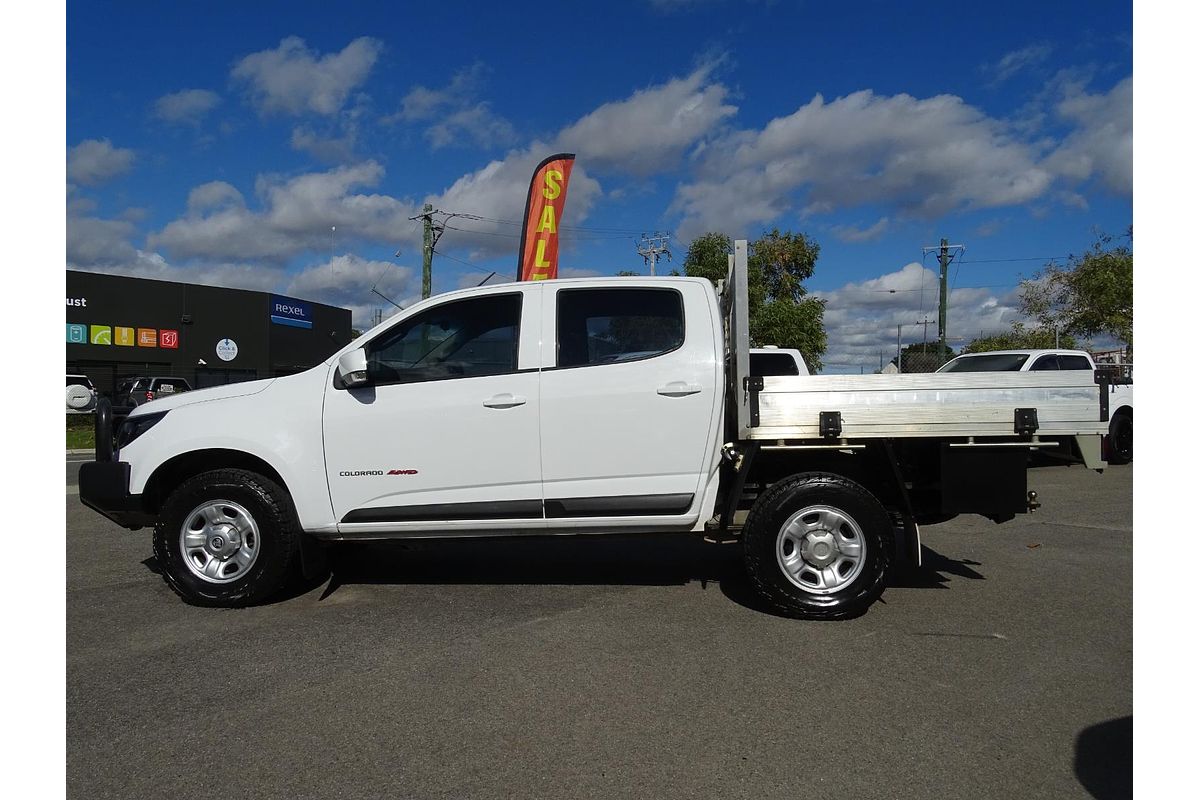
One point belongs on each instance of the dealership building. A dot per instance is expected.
(121, 327)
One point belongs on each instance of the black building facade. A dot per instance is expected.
(120, 327)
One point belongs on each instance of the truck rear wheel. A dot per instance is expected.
(227, 538)
(1120, 438)
(818, 546)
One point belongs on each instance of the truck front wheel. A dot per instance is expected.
(227, 538)
(818, 546)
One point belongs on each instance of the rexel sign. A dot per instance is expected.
(288, 311)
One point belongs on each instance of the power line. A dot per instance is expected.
(472, 266)
(1009, 260)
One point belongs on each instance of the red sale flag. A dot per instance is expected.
(537, 259)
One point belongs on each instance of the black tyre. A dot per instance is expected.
(227, 538)
(818, 546)
(1120, 439)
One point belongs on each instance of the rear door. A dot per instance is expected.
(445, 435)
(629, 400)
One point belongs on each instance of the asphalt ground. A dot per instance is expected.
(613, 667)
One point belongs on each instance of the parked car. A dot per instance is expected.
(135, 391)
(81, 395)
(1120, 389)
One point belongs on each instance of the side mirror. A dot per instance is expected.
(352, 368)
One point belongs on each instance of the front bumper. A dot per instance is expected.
(104, 487)
(104, 483)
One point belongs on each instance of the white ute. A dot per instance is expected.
(1119, 388)
(599, 405)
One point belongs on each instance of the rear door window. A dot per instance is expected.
(1073, 362)
(610, 326)
(171, 386)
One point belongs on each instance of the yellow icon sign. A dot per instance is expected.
(123, 337)
(101, 334)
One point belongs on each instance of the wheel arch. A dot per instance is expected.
(174, 471)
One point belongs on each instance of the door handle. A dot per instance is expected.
(505, 400)
(679, 389)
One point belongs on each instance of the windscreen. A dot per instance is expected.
(993, 362)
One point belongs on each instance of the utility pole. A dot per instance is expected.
(898, 348)
(433, 232)
(650, 247)
(924, 323)
(944, 259)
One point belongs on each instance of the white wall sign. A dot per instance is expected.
(227, 349)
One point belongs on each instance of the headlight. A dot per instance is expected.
(133, 427)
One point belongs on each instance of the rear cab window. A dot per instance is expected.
(765, 364)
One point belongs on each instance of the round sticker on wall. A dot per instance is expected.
(227, 349)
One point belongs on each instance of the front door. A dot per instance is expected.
(446, 432)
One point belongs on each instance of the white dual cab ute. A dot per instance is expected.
(598, 405)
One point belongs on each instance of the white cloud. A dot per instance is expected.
(297, 215)
(331, 149)
(849, 233)
(1016, 61)
(649, 131)
(861, 318)
(214, 195)
(346, 281)
(498, 192)
(186, 107)
(460, 116)
(423, 103)
(295, 80)
(925, 158)
(476, 122)
(1101, 145)
(96, 242)
(95, 161)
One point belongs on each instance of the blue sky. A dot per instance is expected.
(220, 143)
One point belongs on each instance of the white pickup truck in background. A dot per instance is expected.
(586, 406)
(777, 361)
(1120, 388)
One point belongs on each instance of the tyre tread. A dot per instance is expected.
(279, 513)
(759, 567)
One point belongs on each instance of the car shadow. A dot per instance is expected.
(1104, 759)
(602, 560)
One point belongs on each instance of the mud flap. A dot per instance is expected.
(314, 561)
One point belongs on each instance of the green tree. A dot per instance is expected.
(781, 311)
(1021, 338)
(1091, 296)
